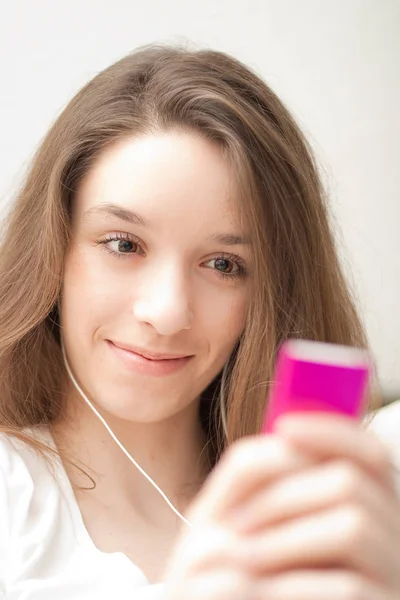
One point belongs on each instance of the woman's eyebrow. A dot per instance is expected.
(230, 239)
(117, 211)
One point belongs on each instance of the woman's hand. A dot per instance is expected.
(309, 514)
(205, 565)
(333, 528)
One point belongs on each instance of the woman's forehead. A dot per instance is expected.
(163, 177)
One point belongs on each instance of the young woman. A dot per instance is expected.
(171, 233)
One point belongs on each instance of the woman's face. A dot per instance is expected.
(156, 285)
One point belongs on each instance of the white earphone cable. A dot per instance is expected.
(116, 440)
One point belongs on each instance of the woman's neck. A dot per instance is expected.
(173, 453)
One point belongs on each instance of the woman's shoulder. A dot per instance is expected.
(22, 449)
(12, 451)
(28, 491)
(385, 423)
(23, 467)
(22, 476)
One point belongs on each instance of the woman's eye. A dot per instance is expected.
(225, 266)
(123, 246)
(120, 245)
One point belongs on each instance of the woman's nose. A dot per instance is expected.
(163, 301)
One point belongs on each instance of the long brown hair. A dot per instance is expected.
(299, 287)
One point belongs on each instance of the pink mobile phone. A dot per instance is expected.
(317, 377)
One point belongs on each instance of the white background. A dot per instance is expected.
(336, 64)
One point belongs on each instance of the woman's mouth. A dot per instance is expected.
(148, 362)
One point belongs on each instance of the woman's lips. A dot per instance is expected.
(144, 365)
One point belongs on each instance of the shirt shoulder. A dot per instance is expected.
(22, 471)
(27, 488)
(15, 489)
(20, 461)
(385, 424)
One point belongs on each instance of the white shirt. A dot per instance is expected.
(386, 425)
(46, 552)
